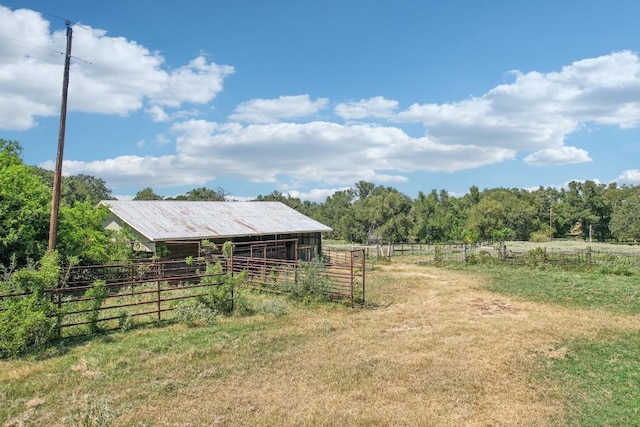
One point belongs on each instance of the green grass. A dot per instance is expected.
(610, 292)
(601, 380)
(104, 374)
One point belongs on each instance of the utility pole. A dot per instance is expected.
(57, 174)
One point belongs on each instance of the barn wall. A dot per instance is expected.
(279, 246)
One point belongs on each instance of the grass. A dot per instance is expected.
(601, 380)
(433, 347)
(618, 294)
(600, 376)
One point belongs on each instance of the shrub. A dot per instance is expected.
(274, 307)
(619, 267)
(539, 237)
(195, 313)
(96, 294)
(224, 297)
(311, 283)
(30, 322)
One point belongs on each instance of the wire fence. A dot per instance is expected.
(514, 255)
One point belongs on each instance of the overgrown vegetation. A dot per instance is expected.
(29, 323)
(96, 296)
(311, 283)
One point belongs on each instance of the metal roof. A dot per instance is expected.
(185, 220)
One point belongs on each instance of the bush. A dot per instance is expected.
(195, 313)
(311, 284)
(619, 267)
(539, 237)
(96, 294)
(30, 322)
(274, 307)
(224, 297)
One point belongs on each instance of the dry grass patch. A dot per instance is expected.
(435, 349)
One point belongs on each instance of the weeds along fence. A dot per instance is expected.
(340, 278)
(466, 253)
(110, 297)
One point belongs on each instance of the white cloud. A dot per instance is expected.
(274, 110)
(113, 76)
(162, 139)
(321, 152)
(558, 156)
(630, 177)
(538, 111)
(376, 107)
(315, 195)
(136, 171)
(157, 114)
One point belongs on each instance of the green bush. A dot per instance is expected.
(224, 296)
(311, 283)
(96, 294)
(30, 322)
(195, 313)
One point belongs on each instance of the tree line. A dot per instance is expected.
(375, 213)
(365, 213)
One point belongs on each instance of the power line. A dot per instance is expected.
(25, 5)
(42, 47)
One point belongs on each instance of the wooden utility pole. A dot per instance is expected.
(57, 174)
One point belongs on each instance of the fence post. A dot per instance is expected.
(351, 275)
(159, 293)
(464, 253)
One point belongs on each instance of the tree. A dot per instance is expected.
(204, 194)
(592, 205)
(24, 208)
(625, 220)
(81, 188)
(277, 196)
(385, 214)
(82, 236)
(336, 213)
(486, 217)
(147, 194)
(77, 188)
(437, 217)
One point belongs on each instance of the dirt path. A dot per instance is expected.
(439, 351)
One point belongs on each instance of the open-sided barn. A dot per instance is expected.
(180, 227)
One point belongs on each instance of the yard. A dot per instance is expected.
(434, 346)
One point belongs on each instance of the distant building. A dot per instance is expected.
(176, 229)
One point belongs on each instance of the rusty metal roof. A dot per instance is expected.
(185, 220)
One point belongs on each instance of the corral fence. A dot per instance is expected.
(145, 292)
(468, 253)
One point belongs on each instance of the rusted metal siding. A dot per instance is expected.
(185, 220)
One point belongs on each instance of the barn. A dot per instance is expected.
(177, 229)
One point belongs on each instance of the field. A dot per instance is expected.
(434, 347)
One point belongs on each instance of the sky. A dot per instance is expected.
(310, 97)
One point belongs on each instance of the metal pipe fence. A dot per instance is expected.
(149, 291)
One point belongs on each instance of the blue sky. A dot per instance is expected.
(309, 97)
